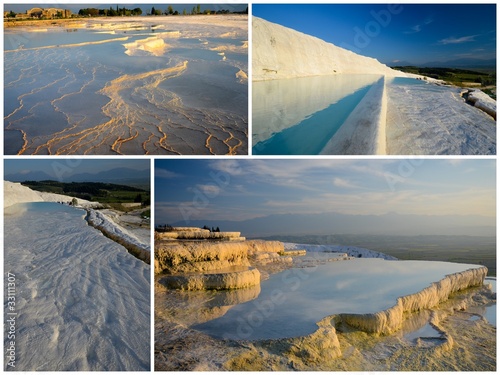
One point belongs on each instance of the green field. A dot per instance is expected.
(94, 191)
(485, 78)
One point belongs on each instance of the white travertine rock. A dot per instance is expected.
(199, 256)
(390, 320)
(14, 192)
(483, 102)
(280, 52)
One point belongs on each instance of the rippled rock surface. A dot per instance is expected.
(128, 87)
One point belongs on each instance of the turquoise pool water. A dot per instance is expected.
(299, 116)
(292, 302)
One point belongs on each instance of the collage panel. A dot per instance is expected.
(307, 264)
(373, 79)
(77, 250)
(109, 80)
(274, 253)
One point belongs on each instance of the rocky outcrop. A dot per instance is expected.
(482, 101)
(280, 52)
(390, 320)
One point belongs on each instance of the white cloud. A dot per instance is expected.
(209, 190)
(455, 162)
(453, 40)
(231, 167)
(343, 183)
(164, 173)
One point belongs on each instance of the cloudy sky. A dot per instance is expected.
(417, 33)
(242, 189)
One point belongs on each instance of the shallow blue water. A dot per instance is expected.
(292, 302)
(426, 331)
(311, 135)
(64, 94)
(407, 81)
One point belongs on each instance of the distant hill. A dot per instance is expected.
(123, 176)
(93, 191)
(465, 63)
(336, 223)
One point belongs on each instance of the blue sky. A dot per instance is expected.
(69, 167)
(417, 33)
(244, 189)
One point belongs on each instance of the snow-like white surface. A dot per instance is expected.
(82, 301)
(15, 193)
(431, 120)
(101, 220)
(280, 52)
(351, 251)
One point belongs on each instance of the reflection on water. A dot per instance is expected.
(300, 115)
(426, 331)
(195, 307)
(127, 88)
(490, 312)
(290, 303)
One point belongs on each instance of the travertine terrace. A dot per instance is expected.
(198, 259)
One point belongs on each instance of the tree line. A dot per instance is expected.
(169, 11)
(111, 12)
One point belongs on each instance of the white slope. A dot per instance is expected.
(15, 193)
(280, 52)
(351, 251)
(82, 301)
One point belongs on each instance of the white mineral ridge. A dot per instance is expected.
(351, 251)
(15, 193)
(102, 220)
(280, 52)
(483, 102)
